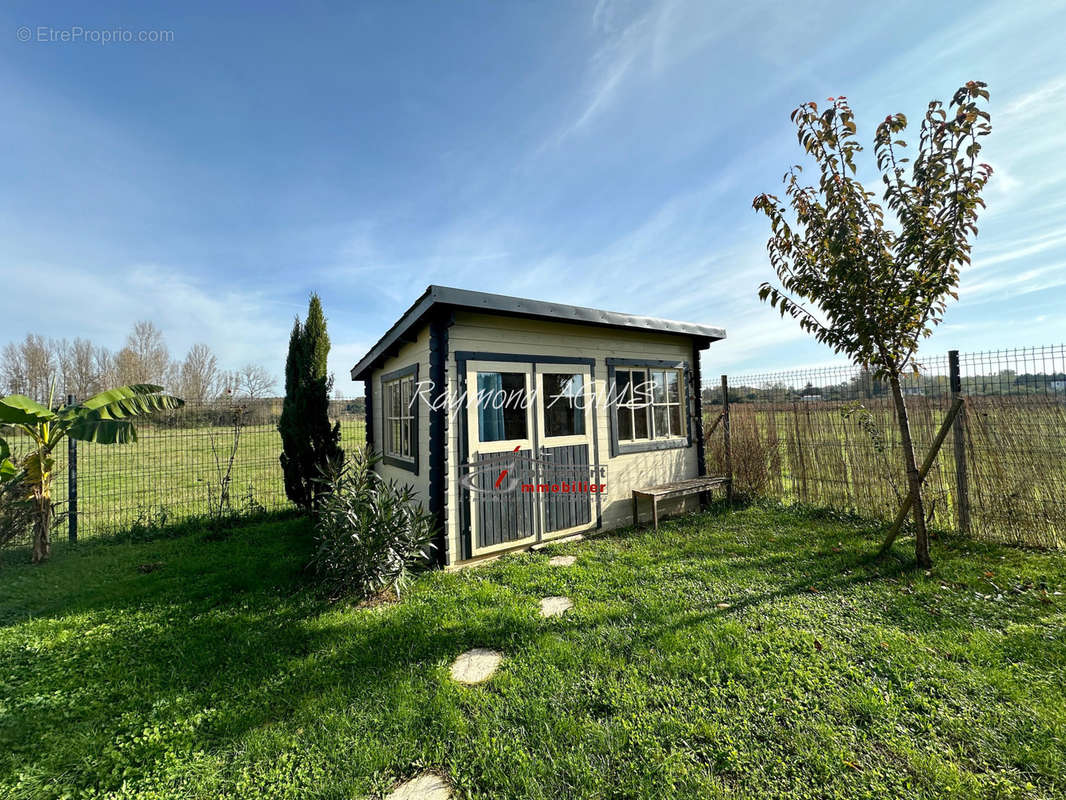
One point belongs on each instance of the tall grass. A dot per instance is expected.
(847, 455)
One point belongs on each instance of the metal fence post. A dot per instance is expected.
(72, 484)
(958, 435)
(725, 434)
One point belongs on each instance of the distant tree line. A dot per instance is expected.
(863, 386)
(82, 368)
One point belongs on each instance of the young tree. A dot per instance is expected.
(866, 288)
(310, 445)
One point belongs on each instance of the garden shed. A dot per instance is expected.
(518, 422)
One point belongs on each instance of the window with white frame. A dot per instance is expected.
(401, 433)
(648, 403)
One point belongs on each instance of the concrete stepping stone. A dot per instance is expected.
(425, 787)
(476, 666)
(562, 561)
(555, 606)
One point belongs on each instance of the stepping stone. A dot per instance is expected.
(424, 787)
(562, 561)
(476, 666)
(555, 606)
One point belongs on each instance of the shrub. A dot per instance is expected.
(16, 512)
(369, 532)
(754, 449)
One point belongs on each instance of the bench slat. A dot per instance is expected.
(690, 486)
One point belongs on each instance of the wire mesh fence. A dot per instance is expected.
(823, 437)
(200, 461)
(829, 437)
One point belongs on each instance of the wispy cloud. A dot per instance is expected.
(656, 125)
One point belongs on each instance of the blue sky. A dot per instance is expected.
(597, 153)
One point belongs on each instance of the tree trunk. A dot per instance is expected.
(921, 537)
(42, 528)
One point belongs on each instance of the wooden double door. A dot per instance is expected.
(531, 446)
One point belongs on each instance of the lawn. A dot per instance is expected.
(755, 653)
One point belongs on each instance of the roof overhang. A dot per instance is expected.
(405, 329)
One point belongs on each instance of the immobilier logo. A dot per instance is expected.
(502, 474)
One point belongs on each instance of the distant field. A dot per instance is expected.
(173, 474)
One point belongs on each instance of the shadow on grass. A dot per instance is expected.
(227, 634)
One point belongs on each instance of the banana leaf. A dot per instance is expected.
(17, 409)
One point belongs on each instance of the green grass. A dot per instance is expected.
(218, 674)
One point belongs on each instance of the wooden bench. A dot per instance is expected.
(676, 489)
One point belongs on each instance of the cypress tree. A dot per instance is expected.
(310, 444)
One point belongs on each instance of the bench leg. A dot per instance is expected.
(655, 512)
(635, 518)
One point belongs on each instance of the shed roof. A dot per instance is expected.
(446, 296)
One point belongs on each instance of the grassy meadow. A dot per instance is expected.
(171, 475)
(758, 653)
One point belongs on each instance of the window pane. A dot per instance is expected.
(640, 423)
(405, 397)
(623, 393)
(672, 386)
(501, 406)
(658, 379)
(514, 412)
(394, 436)
(662, 427)
(625, 424)
(675, 421)
(563, 403)
(641, 389)
(405, 442)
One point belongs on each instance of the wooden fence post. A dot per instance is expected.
(728, 445)
(72, 484)
(958, 435)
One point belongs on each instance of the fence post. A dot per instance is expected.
(72, 484)
(725, 435)
(958, 435)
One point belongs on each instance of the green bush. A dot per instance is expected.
(369, 532)
(16, 512)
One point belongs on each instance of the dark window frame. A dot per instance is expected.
(409, 464)
(648, 445)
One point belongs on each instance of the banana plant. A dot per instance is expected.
(105, 418)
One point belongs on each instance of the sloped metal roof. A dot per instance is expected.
(435, 296)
